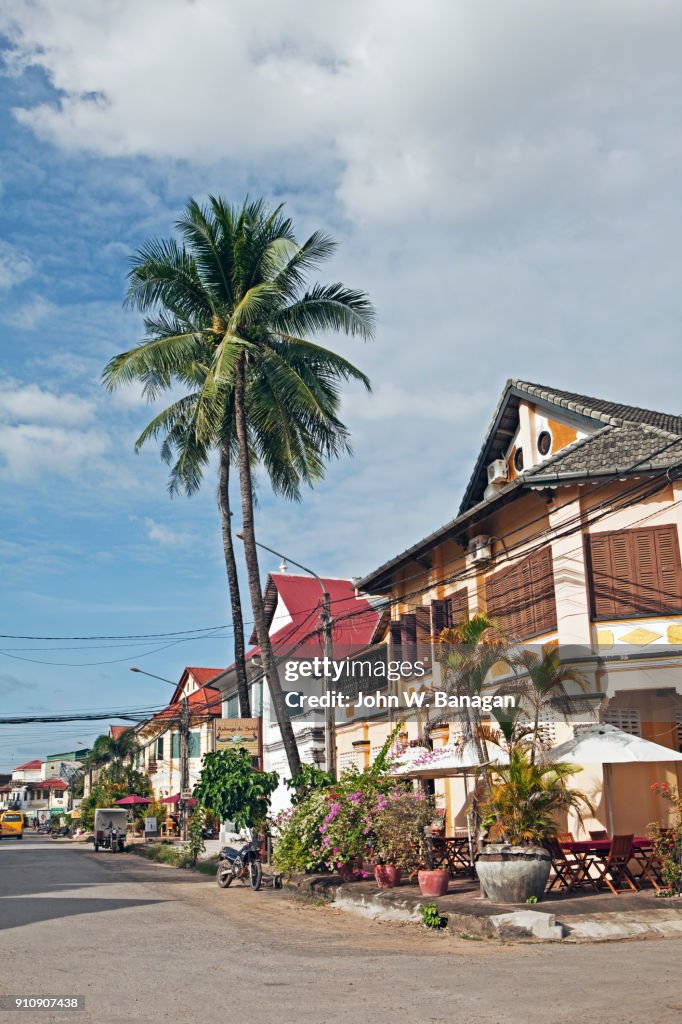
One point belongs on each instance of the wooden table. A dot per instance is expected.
(642, 853)
(455, 852)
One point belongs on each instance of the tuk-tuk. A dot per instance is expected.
(12, 825)
(110, 828)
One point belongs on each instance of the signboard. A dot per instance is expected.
(237, 732)
(150, 826)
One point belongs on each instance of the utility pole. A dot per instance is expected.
(328, 647)
(184, 765)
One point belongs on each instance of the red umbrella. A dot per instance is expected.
(132, 799)
(175, 799)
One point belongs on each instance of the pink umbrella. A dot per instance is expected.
(126, 801)
(175, 799)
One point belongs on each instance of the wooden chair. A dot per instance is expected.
(599, 833)
(565, 837)
(567, 873)
(612, 870)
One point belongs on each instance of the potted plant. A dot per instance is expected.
(398, 827)
(521, 808)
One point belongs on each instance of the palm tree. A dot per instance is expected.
(543, 685)
(229, 317)
(107, 750)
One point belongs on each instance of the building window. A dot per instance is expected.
(544, 442)
(233, 706)
(175, 745)
(518, 460)
(294, 703)
(159, 748)
(522, 597)
(195, 744)
(634, 573)
(450, 611)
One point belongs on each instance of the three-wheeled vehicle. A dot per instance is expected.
(110, 828)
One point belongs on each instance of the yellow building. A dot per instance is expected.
(568, 534)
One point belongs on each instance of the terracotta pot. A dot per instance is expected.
(433, 882)
(512, 874)
(387, 875)
(347, 870)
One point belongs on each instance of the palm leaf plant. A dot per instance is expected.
(229, 319)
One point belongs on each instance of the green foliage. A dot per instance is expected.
(668, 842)
(532, 899)
(233, 789)
(304, 782)
(398, 828)
(195, 844)
(113, 783)
(431, 917)
(525, 798)
(164, 853)
(297, 835)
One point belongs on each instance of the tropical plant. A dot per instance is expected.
(233, 789)
(114, 782)
(308, 779)
(526, 798)
(431, 918)
(543, 684)
(668, 841)
(195, 838)
(399, 820)
(113, 751)
(228, 317)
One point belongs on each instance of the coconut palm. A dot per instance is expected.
(544, 685)
(229, 318)
(109, 750)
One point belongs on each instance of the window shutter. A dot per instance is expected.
(635, 572)
(601, 575)
(438, 616)
(396, 642)
(409, 636)
(522, 597)
(458, 606)
(543, 604)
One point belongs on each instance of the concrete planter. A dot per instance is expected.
(512, 874)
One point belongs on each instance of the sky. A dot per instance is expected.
(503, 179)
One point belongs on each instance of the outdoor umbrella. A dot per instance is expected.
(607, 745)
(175, 799)
(442, 763)
(127, 801)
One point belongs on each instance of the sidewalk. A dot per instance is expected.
(576, 917)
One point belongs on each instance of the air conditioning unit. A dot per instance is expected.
(480, 549)
(498, 472)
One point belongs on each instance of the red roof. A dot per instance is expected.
(354, 618)
(49, 784)
(201, 676)
(29, 766)
(205, 701)
(117, 731)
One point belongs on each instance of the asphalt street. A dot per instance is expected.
(145, 942)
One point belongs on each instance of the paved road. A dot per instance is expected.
(145, 942)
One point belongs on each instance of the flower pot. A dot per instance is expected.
(433, 882)
(512, 874)
(348, 871)
(387, 875)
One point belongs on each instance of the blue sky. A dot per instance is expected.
(507, 190)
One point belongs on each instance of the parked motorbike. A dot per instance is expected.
(208, 832)
(58, 831)
(244, 864)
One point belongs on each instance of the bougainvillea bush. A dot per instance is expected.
(398, 822)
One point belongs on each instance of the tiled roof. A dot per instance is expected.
(29, 766)
(203, 702)
(629, 448)
(48, 784)
(600, 408)
(204, 675)
(116, 731)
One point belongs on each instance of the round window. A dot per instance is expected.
(518, 460)
(544, 442)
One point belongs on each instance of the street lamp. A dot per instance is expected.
(184, 749)
(326, 619)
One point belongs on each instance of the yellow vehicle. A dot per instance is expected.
(11, 825)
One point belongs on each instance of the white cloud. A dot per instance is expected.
(14, 266)
(33, 314)
(164, 535)
(30, 450)
(32, 404)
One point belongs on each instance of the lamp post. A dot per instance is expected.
(328, 646)
(184, 728)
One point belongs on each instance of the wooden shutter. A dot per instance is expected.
(439, 610)
(458, 606)
(635, 572)
(423, 623)
(409, 636)
(396, 640)
(601, 576)
(522, 597)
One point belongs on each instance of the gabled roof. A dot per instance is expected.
(201, 676)
(354, 618)
(31, 766)
(205, 702)
(588, 413)
(622, 439)
(116, 731)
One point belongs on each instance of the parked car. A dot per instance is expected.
(12, 824)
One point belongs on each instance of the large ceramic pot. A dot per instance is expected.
(512, 874)
(433, 882)
(387, 876)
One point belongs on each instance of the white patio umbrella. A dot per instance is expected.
(607, 745)
(442, 763)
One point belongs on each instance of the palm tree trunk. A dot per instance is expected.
(233, 582)
(253, 572)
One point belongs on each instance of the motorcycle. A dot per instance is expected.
(244, 864)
